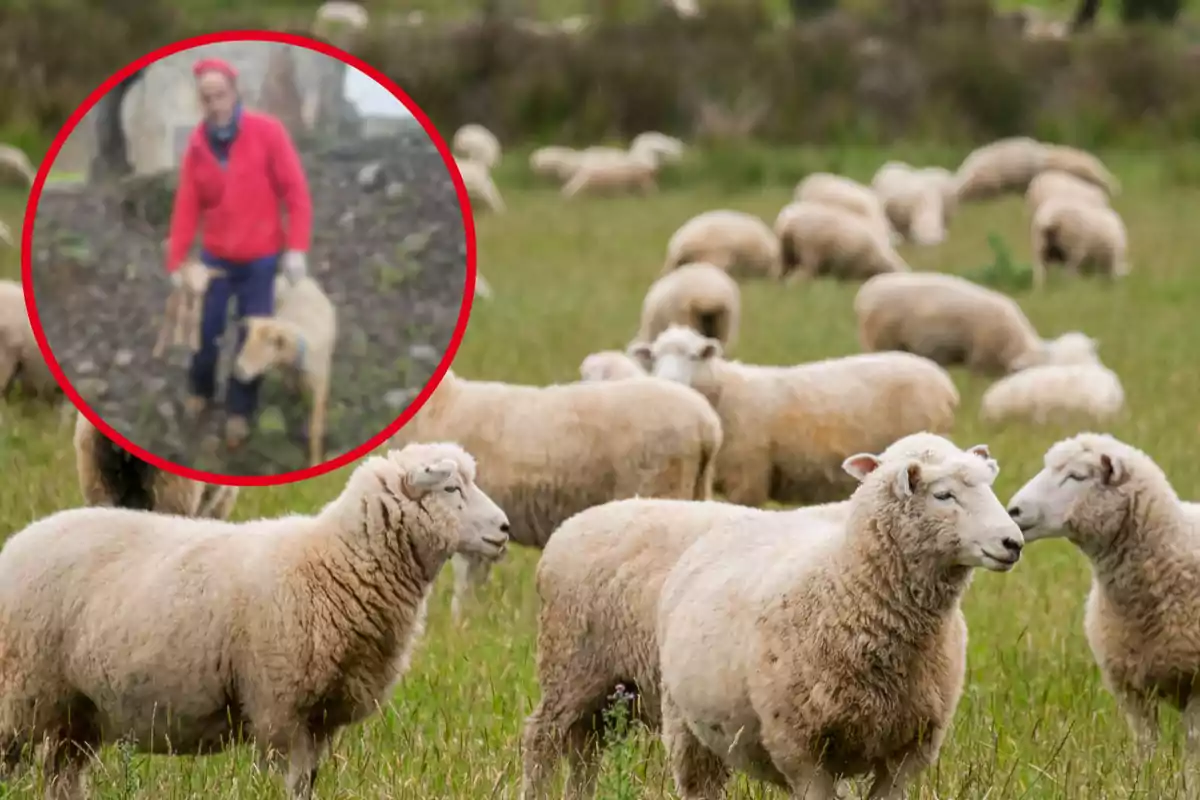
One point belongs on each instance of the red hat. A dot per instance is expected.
(215, 65)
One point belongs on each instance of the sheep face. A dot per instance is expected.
(609, 365)
(954, 515)
(680, 354)
(1071, 348)
(269, 342)
(1078, 494)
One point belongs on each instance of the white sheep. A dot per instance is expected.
(109, 475)
(818, 239)
(477, 179)
(915, 201)
(476, 143)
(1117, 506)
(1085, 238)
(343, 12)
(547, 452)
(700, 296)
(786, 429)
(555, 162)
(742, 244)
(483, 289)
(849, 195)
(1082, 165)
(1056, 183)
(610, 365)
(601, 171)
(20, 357)
(838, 649)
(667, 149)
(1054, 392)
(952, 320)
(15, 163)
(1001, 167)
(288, 628)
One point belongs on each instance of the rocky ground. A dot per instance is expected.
(388, 247)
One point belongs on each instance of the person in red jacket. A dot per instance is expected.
(239, 173)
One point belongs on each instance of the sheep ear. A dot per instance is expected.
(983, 452)
(421, 481)
(710, 349)
(861, 465)
(640, 352)
(1112, 470)
(908, 479)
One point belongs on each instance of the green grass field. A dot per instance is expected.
(569, 279)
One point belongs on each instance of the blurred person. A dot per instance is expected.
(238, 173)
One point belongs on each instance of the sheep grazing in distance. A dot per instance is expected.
(21, 359)
(609, 365)
(1002, 167)
(667, 149)
(786, 429)
(299, 338)
(181, 322)
(917, 203)
(739, 243)
(111, 476)
(818, 239)
(1056, 393)
(16, 164)
(770, 641)
(1082, 165)
(1117, 506)
(599, 171)
(951, 320)
(700, 296)
(554, 162)
(847, 194)
(1083, 237)
(1053, 183)
(548, 452)
(476, 143)
(483, 289)
(479, 184)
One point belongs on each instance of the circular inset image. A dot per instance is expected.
(267, 266)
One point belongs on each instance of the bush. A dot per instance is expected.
(1135, 11)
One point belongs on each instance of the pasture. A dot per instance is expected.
(568, 279)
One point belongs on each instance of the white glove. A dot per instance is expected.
(295, 265)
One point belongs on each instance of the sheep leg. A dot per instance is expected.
(1141, 713)
(749, 483)
(65, 762)
(316, 421)
(1191, 722)
(8, 369)
(1039, 260)
(303, 755)
(891, 779)
(164, 330)
(699, 774)
(469, 574)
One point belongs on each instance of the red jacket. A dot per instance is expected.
(240, 203)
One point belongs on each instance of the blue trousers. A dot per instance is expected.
(252, 285)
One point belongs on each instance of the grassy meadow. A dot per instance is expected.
(569, 280)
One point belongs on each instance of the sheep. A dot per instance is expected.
(1054, 392)
(21, 359)
(1117, 506)
(299, 337)
(1082, 165)
(1001, 167)
(817, 239)
(111, 476)
(479, 184)
(700, 296)
(849, 195)
(739, 243)
(181, 322)
(609, 365)
(599, 580)
(15, 163)
(476, 143)
(786, 429)
(668, 149)
(840, 648)
(951, 320)
(483, 289)
(555, 162)
(288, 628)
(6, 235)
(1055, 183)
(548, 452)
(1083, 237)
(342, 12)
(601, 171)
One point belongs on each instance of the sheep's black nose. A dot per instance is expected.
(504, 528)
(1012, 546)
(1014, 511)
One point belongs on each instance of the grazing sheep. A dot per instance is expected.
(951, 320)
(700, 296)
(1055, 392)
(181, 322)
(667, 149)
(14, 163)
(836, 649)
(288, 628)
(342, 12)
(739, 243)
(476, 143)
(479, 184)
(483, 289)
(1082, 165)
(299, 338)
(847, 194)
(1083, 237)
(817, 239)
(111, 476)
(787, 429)
(610, 365)
(1115, 504)
(548, 452)
(601, 171)
(555, 162)
(1055, 183)
(20, 357)
(1001, 167)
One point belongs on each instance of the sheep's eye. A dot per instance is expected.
(1075, 477)
(943, 495)
(450, 489)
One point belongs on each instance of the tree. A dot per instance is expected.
(111, 159)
